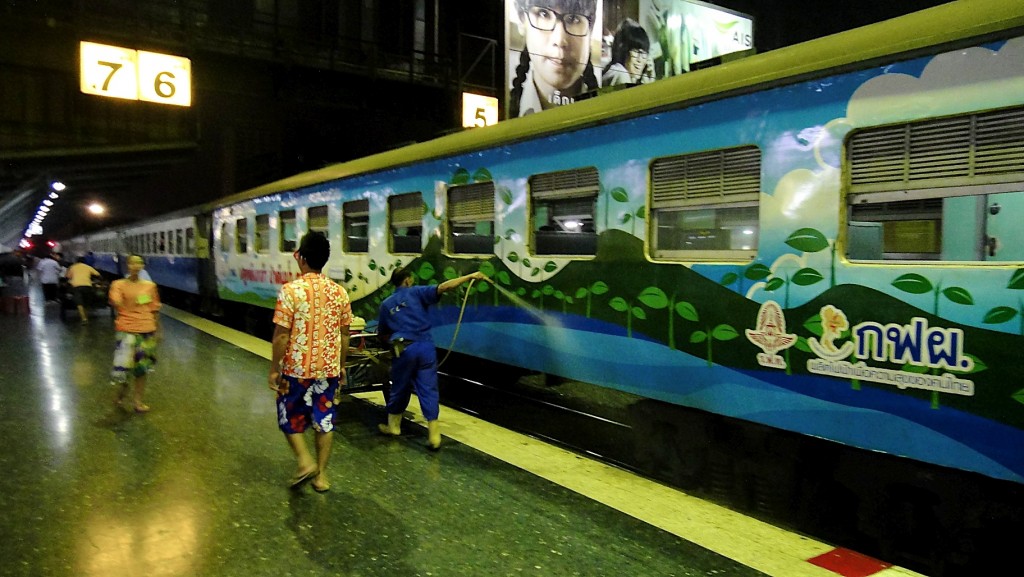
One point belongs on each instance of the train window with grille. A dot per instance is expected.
(288, 232)
(154, 243)
(190, 241)
(405, 221)
(356, 226)
(316, 219)
(242, 236)
(162, 247)
(562, 211)
(179, 241)
(262, 233)
(471, 219)
(705, 205)
(942, 189)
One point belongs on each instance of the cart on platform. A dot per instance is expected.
(96, 298)
(368, 364)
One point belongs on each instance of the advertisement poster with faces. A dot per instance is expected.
(560, 49)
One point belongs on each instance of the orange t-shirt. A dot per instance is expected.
(314, 308)
(136, 303)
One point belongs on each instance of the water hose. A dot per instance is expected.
(458, 323)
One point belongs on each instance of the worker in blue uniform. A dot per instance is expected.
(405, 324)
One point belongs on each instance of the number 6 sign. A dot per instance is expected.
(135, 75)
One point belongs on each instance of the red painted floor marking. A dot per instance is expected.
(848, 563)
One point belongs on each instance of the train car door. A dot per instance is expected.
(1004, 235)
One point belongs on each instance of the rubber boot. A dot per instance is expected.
(433, 435)
(394, 426)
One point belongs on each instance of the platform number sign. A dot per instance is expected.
(135, 74)
(478, 110)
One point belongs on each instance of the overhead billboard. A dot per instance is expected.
(560, 49)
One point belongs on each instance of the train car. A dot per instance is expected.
(172, 249)
(106, 248)
(790, 279)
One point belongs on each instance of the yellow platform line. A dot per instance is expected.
(754, 543)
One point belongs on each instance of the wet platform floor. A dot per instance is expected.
(198, 486)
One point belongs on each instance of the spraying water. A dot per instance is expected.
(522, 303)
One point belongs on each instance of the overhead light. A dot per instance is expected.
(57, 185)
(97, 208)
(54, 195)
(48, 202)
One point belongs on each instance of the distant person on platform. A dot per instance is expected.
(405, 324)
(310, 344)
(137, 303)
(49, 271)
(80, 277)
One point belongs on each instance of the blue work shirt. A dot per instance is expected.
(403, 315)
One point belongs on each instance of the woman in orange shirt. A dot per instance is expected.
(137, 303)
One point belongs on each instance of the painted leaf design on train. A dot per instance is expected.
(619, 194)
(1017, 280)
(728, 279)
(979, 365)
(426, 271)
(999, 315)
(959, 295)
(505, 194)
(774, 284)
(722, 332)
(807, 277)
(757, 272)
(808, 240)
(550, 266)
(461, 176)
(687, 311)
(653, 297)
(482, 175)
(913, 283)
(1018, 396)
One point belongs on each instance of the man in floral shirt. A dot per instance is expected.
(310, 342)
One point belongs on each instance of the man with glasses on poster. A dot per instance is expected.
(555, 66)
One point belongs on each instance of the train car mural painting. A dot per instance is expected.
(902, 358)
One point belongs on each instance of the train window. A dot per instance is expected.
(190, 241)
(705, 205)
(316, 219)
(242, 236)
(262, 233)
(287, 218)
(356, 226)
(471, 219)
(563, 206)
(225, 239)
(179, 241)
(172, 247)
(405, 220)
(946, 189)
(162, 247)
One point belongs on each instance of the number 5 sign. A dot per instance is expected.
(135, 75)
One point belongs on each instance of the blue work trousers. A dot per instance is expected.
(415, 369)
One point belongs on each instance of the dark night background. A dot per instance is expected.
(262, 116)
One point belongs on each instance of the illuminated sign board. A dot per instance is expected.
(478, 110)
(608, 43)
(135, 74)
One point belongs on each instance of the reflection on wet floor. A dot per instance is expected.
(198, 486)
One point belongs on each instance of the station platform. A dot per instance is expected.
(198, 486)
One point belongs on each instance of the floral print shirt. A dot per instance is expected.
(315, 308)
